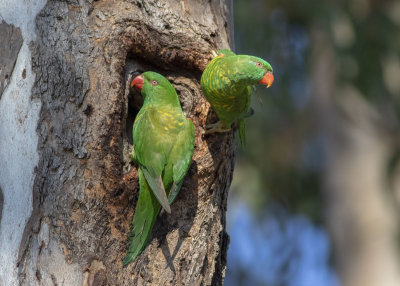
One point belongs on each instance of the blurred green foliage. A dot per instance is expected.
(273, 159)
(284, 160)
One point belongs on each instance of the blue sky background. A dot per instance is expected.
(276, 251)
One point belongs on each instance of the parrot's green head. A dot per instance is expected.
(155, 88)
(254, 70)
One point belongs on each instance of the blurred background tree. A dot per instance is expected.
(315, 197)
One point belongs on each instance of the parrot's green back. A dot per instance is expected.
(163, 148)
(226, 83)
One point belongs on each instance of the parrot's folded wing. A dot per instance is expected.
(181, 155)
(156, 185)
(183, 151)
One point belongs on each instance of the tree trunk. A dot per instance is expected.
(66, 221)
(361, 209)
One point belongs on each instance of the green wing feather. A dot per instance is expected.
(151, 141)
(181, 156)
(241, 119)
(152, 147)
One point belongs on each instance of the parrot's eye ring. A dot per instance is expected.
(154, 82)
(259, 65)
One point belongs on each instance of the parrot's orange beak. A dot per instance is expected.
(267, 79)
(138, 82)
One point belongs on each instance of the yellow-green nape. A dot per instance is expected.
(225, 52)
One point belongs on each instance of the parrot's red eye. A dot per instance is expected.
(258, 64)
(154, 82)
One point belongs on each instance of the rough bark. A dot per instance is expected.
(361, 207)
(85, 189)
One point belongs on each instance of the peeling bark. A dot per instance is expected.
(10, 44)
(85, 189)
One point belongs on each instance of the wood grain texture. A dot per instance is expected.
(85, 189)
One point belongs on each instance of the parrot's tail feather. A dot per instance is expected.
(242, 132)
(147, 209)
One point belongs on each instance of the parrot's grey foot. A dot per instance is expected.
(216, 127)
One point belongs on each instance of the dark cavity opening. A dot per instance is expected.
(135, 100)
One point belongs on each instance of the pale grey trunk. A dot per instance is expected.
(361, 208)
(84, 190)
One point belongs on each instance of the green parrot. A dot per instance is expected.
(226, 83)
(163, 141)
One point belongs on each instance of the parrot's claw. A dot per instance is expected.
(214, 54)
(216, 127)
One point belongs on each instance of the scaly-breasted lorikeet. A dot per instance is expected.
(163, 141)
(226, 83)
